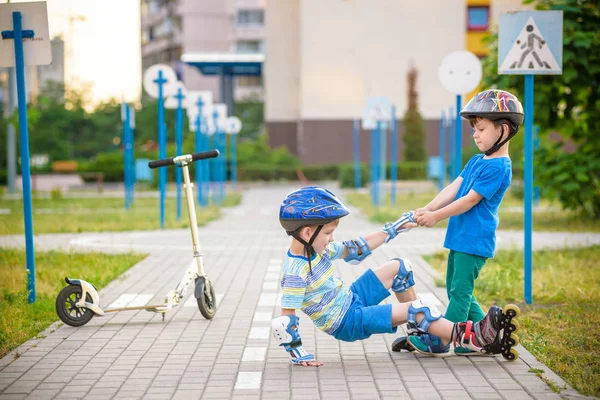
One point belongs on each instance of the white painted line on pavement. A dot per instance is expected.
(140, 300)
(123, 300)
(248, 380)
(259, 333)
(262, 316)
(267, 299)
(254, 354)
(272, 276)
(270, 286)
(429, 298)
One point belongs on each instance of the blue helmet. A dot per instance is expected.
(311, 205)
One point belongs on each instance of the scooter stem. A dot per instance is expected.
(189, 196)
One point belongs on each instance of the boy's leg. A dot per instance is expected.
(466, 271)
(449, 272)
(397, 274)
(491, 335)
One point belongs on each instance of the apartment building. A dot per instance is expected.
(325, 58)
(171, 28)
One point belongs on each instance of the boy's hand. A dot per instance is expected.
(425, 218)
(309, 363)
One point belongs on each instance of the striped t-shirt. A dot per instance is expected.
(320, 295)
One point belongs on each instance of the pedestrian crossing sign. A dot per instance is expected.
(530, 43)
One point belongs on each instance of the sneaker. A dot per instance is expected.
(463, 351)
(429, 345)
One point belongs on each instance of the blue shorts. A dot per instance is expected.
(365, 316)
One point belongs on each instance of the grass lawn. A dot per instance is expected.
(562, 326)
(549, 218)
(20, 321)
(74, 215)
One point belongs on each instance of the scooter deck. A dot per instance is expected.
(159, 308)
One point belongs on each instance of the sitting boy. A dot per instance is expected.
(310, 215)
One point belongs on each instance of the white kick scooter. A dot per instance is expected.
(78, 302)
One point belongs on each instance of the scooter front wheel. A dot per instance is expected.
(205, 296)
(66, 307)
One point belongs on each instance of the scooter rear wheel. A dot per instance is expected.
(66, 309)
(207, 301)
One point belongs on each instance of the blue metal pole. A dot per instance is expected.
(393, 157)
(451, 144)
(126, 165)
(442, 177)
(376, 154)
(198, 148)
(131, 156)
(458, 144)
(215, 168)
(528, 186)
(373, 166)
(536, 146)
(179, 146)
(162, 144)
(24, 147)
(356, 139)
(233, 155)
(205, 165)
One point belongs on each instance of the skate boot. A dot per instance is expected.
(494, 334)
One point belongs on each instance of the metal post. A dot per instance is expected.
(162, 144)
(373, 164)
(393, 157)
(24, 147)
(458, 140)
(451, 144)
(179, 146)
(442, 177)
(198, 148)
(536, 146)
(233, 155)
(528, 186)
(356, 139)
(126, 177)
(382, 160)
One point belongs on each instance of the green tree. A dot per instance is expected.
(568, 104)
(414, 127)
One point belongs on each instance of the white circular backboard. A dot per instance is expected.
(151, 74)
(460, 72)
(172, 102)
(193, 97)
(233, 125)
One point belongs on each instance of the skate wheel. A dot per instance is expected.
(511, 310)
(513, 340)
(512, 355)
(514, 326)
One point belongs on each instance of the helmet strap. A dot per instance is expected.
(308, 248)
(499, 143)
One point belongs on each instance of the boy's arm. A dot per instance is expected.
(445, 197)
(286, 334)
(464, 204)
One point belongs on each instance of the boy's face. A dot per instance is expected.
(485, 134)
(324, 237)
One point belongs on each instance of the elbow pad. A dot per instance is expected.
(358, 250)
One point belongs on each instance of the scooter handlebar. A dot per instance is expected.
(195, 157)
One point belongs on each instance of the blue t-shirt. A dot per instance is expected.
(474, 231)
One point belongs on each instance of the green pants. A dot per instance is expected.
(463, 270)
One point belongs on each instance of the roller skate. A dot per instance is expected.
(494, 334)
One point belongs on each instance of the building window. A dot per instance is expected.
(250, 17)
(248, 46)
(249, 81)
(478, 18)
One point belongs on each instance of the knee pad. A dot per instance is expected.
(355, 247)
(405, 278)
(430, 314)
